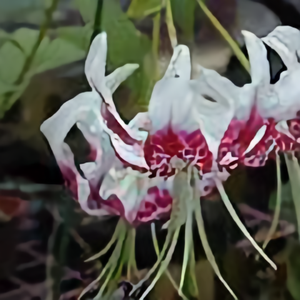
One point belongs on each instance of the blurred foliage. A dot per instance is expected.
(26, 52)
(22, 11)
(184, 17)
(140, 9)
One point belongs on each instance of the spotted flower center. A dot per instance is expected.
(162, 147)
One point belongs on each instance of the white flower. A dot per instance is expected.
(104, 185)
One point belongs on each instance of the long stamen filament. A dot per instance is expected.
(164, 263)
(278, 204)
(156, 247)
(237, 220)
(209, 255)
(152, 270)
(294, 175)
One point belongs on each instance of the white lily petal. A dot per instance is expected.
(287, 90)
(84, 111)
(180, 64)
(73, 111)
(114, 79)
(214, 106)
(132, 189)
(257, 52)
(96, 60)
(170, 105)
(285, 40)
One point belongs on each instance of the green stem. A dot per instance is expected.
(156, 248)
(294, 174)
(278, 205)
(155, 44)
(164, 264)
(29, 60)
(159, 259)
(238, 222)
(170, 24)
(97, 22)
(234, 46)
(187, 245)
(208, 252)
(110, 243)
(42, 33)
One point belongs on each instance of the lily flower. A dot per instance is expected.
(266, 119)
(104, 185)
(160, 163)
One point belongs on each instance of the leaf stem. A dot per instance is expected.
(234, 46)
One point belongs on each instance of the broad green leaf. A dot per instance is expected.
(52, 54)
(183, 15)
(78, 36)
(6, 87)
(87, 9)
(26, 38)
(11, 63)
(139, 9)
(10, 94)
(294, 175)
(31, 11)
(287, 198)
(293, 269)
(125, 43)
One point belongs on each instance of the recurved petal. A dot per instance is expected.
(214, 106)
(260, 70)
(180, 64)
(84, 111)
(143, 199)
(285, 40)
(113, 80)
(96, 60)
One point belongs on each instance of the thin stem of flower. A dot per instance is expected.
(208, 252)
(234, 46)
(278, 204)
(164, 264)
(294, 175)
(110, 243)
(155, 43)
(97, 21)
(113, 262)
(156, 248)
(238, 222)
(29, 60)
(159, 259)
(187, 245)
(131, 259)
(170, 24)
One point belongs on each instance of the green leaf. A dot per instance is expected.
(7, 100)
(139, 9)
(294, 175)
(26, 38)
(184, 16)
(293, 269)
(11, 62)
(78, 36)
(125, 43)
(87, 9)
(52, 54)
(287, 198)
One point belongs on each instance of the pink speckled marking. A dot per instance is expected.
(165, 144)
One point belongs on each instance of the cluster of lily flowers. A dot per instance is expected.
(195, 132)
